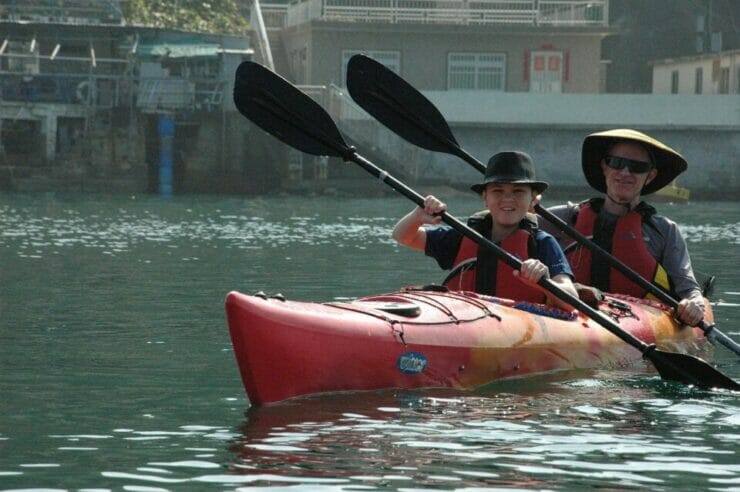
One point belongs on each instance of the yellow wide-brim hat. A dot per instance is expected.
(667, 161)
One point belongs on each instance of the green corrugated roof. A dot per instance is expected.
(188, 48)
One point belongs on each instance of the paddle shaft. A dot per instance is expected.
(670, 365)
(402, 108)
(503, 255)
(349, 154)
(710, 331)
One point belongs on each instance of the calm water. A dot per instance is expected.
(116, 370)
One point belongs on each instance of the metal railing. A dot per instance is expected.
(467, 12)
(573, 13)
(101, 83)
(108, 91)
(103, 91)
(274, 15)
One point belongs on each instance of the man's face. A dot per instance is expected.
(624, 185)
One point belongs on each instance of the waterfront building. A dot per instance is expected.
(708, 73)
(83, 95)
(528, 74)
(485, 45)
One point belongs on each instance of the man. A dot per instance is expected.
(509, 191)
(624, 165)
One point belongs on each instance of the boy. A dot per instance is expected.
(509, 190)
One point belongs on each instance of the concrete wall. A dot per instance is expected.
(705, 129)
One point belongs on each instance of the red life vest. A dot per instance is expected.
(626, 243)
(502, 282)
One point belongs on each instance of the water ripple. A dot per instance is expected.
(699, 233)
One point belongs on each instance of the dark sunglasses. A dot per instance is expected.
(619, 163)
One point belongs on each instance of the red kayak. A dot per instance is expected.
(418, 338)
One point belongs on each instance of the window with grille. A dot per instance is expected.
(476, 71)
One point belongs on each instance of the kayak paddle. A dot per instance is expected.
(407, 112)
(281, 109)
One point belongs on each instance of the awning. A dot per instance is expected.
(178, 49)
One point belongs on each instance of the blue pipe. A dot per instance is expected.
(166, 144)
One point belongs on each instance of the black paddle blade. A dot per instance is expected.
(688, 369)
(282, 110)
(397, 105)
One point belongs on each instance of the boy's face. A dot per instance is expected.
(508, 203)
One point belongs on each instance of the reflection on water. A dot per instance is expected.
(116, 370)
(621, 433)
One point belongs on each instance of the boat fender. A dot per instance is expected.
(260, 294)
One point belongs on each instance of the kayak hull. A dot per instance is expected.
(420, 339)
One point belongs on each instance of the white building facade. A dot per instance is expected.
(715, 73)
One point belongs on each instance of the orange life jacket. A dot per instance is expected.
(625, 242)
(476, 269)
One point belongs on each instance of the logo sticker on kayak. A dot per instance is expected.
(411, 363)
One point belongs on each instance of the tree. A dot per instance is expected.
(215, 16)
